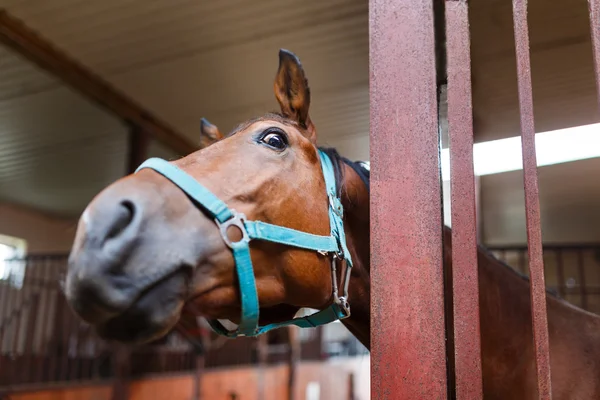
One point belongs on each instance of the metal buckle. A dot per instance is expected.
(336, 205)
(238, 221)
(341, 301)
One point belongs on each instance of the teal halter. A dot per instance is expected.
(333, 245)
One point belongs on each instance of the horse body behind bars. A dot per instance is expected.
(145, 253)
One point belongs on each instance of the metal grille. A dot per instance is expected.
(408, 348)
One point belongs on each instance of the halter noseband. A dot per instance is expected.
(333, 245)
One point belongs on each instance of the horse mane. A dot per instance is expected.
(357, 166)
(364, 174)
(524, 277)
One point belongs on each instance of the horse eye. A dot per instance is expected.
(275, 140)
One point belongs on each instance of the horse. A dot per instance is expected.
(150, 248)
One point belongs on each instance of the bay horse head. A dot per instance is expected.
(251, 228)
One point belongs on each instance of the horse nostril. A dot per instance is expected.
(125, 214)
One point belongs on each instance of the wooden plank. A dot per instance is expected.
(23, 40)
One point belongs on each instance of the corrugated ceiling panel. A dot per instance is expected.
(57, 150)
(20, 78)
(114, 36)
(186, 59)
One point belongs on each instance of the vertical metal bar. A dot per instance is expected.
(294, 357)
(594, 7)
(122, 369)
(532, 203)
(5, 290)
(522, 267)
(45, 335)
(465, 281)
(65, 341)
(261, 350)
(582, 282)
(198, 372)
(351, 394)
(30, 334)
(408, 355)
(560, 272)
(139, 142)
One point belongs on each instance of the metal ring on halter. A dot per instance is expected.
(238, 221)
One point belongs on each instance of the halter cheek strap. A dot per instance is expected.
(333, 246)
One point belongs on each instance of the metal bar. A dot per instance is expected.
(22, 39)
(65, 341)
(408, 354)
(594, 8)
(465, 281)
(55, 338)
(522, 266)
(560, 272)
(122, 368)
(262, 354)
(198, 373)
(30, 335)
(45, 335)
(582, 281)
(139, 142)
(14, 337)
(532, 203)
(351, 394)
(294, 357)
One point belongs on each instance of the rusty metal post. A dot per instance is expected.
(594, 7)
(532, 203)
(467, 342)
(408, 357)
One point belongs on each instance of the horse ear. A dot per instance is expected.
(209, 133)
(292, 92)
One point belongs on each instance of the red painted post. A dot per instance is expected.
(408, 357)
(532, 203)
(594, 7)
(465, 282)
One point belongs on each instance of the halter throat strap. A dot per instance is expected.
(333, 246)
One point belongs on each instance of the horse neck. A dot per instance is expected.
(505, 315)
(355, 199)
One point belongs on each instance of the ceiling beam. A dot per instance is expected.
(22, 39)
